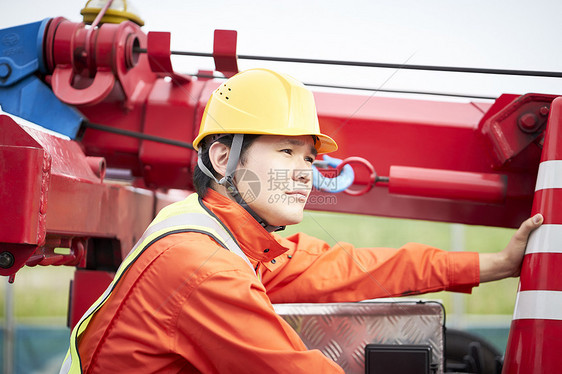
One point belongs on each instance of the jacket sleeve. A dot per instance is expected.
(232, 327)
(312, 271)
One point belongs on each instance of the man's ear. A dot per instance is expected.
(218, 155)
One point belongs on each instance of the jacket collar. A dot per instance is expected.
(253, 239)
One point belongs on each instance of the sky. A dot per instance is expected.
(515, 34)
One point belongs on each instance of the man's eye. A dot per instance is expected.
(287, 151)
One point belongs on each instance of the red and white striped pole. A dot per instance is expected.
(535, 337)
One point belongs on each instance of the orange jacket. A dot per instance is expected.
(188, 305)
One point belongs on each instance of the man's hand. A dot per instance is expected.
(507, 263)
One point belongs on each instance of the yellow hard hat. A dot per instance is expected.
(119, 11)
(261, 101)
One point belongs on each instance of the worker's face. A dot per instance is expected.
(276, 177)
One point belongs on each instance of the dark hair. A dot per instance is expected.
(202, 181)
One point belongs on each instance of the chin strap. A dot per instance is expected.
(228, 180)
(233, 158)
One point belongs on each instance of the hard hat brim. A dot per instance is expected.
(325, 144)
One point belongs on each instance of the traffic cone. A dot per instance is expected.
(535, 338)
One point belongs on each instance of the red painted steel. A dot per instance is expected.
(224, 52)
(516, 126)
(55, 196)
(159, 56)
(384, 131)
(67, 64)
(18, 254)
(402, 132)
(447, 184)
(87, 286)
(169, 113)
(22, 201)
(158, 50)
(423, 134)
(47, 254)
(534, 343)
(98, 90)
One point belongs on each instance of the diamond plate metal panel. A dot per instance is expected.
(342, 330)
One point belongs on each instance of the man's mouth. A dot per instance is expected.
(298, 195)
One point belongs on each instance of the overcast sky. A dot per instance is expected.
(514, 34)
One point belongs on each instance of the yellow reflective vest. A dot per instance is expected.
(185, 216)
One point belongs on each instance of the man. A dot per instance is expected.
(195, 295)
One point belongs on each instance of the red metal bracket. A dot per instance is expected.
(69, 58)
(86, 62)
(158, 51)
(224, 52)
(97, 91)
(46, 255)
(516, 126)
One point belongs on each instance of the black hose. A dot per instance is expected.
(138, 135)
(531, 73)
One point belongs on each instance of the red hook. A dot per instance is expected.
(372, 174)
(61, 83)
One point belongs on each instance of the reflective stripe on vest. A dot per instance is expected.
(188, 215)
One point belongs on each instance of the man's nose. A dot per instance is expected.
(303, 175)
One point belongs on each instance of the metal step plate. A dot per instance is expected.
(342, 330)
